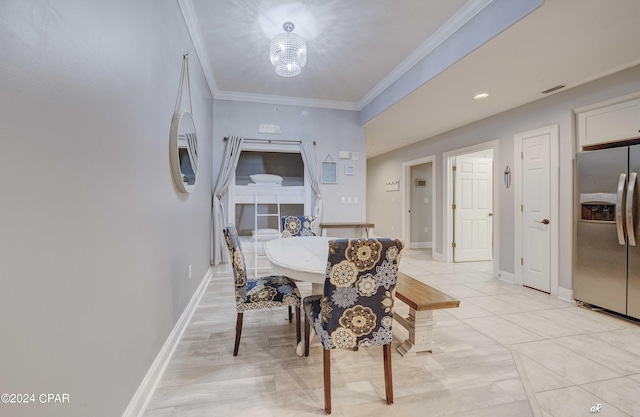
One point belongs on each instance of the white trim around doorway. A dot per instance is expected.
(406, 198)
(447, 183)
(554, 167)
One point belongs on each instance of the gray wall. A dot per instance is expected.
(96, 239)
(333, 131)
(556, 109)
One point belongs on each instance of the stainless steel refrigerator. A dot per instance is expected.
(607, 270)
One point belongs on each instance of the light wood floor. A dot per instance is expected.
(508, 351)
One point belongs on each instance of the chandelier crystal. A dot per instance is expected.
(288, 52)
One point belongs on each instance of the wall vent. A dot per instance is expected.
(552, 89)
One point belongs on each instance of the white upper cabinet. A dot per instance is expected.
(608, 122)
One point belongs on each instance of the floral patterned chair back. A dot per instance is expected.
(264, 292)
(237, 261)
(357, 306)
(299, 226)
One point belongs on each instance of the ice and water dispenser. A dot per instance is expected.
(598, 207)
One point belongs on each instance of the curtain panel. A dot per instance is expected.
(218, 216)
(313, 174)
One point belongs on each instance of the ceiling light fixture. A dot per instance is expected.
(480, 96)
(288, 52)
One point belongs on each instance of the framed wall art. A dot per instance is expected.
(349, 170)
(329, 172)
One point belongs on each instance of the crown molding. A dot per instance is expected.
(461, 17)
(285, 100)
(190, 19)
(452, 25)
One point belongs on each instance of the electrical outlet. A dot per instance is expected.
(426, 229)
(355, 199)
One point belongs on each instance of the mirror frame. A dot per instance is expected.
(180, 120)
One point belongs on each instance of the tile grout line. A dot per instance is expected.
(533, 402)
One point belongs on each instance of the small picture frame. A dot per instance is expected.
(349, 170)
(329, 172)
(421, 183)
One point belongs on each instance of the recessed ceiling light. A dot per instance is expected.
(480, 96)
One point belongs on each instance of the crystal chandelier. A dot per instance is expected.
(288, 52)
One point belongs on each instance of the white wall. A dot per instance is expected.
(556, 109)
(333, 131)
(95, 239)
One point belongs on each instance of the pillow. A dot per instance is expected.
(266, 179)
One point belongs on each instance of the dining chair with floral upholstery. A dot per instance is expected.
(265, 292)
(356, 308)
(299, 226)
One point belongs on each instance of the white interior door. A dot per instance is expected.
(536, 209)
(473, 199)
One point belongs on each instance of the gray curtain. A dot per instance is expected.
(218, 216)
(311, 167)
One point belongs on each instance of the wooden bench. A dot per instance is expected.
(422, 299)
(367, 228)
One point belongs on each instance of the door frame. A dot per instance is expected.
(447, 217)
(406, 200)
(554, 214)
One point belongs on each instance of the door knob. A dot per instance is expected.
(544, 221)
(490, 214)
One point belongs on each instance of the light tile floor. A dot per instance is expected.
(508, 351)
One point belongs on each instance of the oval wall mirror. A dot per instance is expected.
(184, 151)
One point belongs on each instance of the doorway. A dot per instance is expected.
(469, 208)
(421, 206)
(418, 203)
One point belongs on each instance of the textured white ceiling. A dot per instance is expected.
(352, 45)
(358, 47)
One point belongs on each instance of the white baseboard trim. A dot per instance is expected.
(565, 294)
(421, 245)
(507, 277)
(138, 404)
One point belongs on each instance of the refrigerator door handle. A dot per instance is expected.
(622, 182)
(631, 228)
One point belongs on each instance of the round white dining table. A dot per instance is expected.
(303, 258)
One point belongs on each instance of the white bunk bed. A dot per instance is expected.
(260, 195)
(268, 194)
